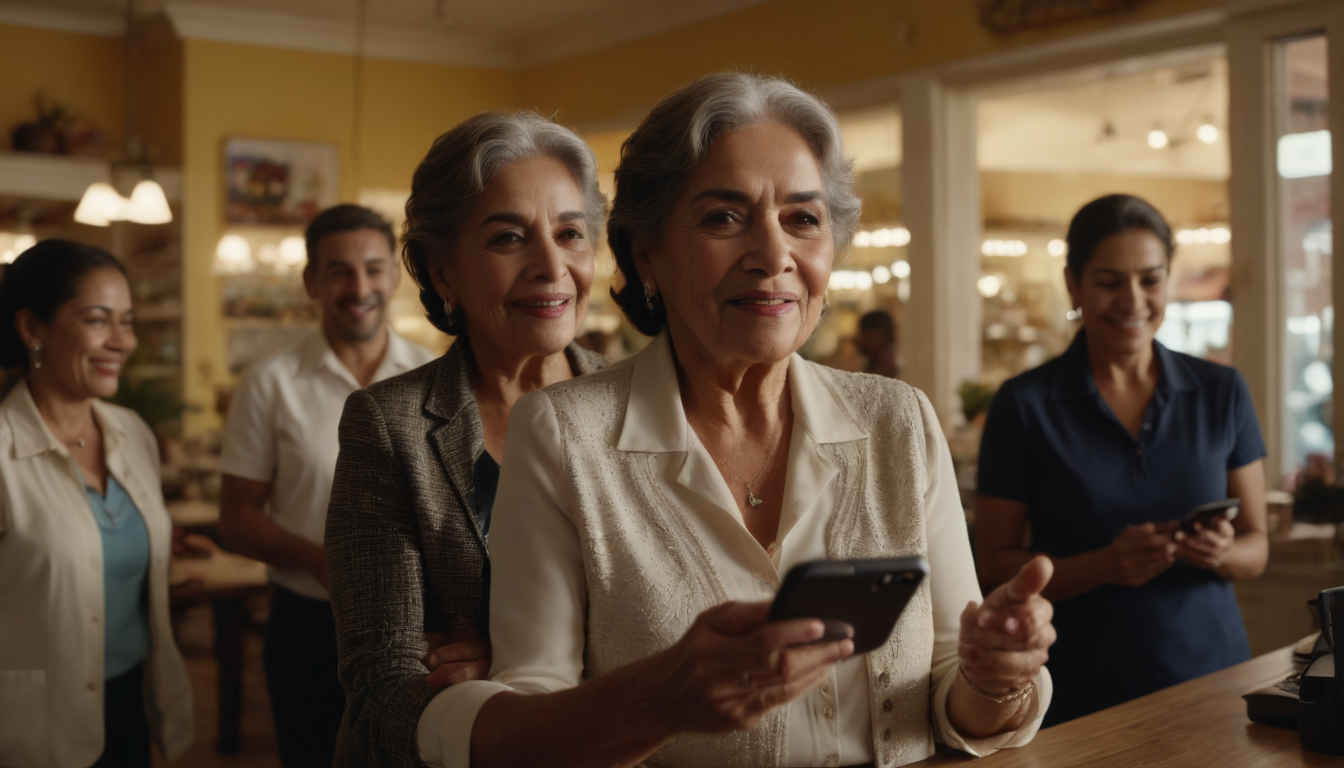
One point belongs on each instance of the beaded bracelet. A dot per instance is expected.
(1003, 698)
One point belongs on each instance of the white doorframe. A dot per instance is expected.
(1257, 263)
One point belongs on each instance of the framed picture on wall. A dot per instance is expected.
(279, 182)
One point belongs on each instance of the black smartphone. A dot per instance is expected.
(1207, 514)
(868, 595)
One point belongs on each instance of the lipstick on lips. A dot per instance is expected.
(547, 306)
(764, 303)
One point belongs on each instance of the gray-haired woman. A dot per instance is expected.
(638, 503)
(499, 236)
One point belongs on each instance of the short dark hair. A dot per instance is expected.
(1111, 215)
(346, 217)
(40, 280)
(879, 320)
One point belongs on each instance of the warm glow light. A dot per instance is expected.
(900, 269)
(989, 286)
(1057, 247)
(851, 280)
(881, 275)
(101, 205)
(148, 204)
(1157, 138)
(1207, 133)
(233, 256)
(1003, 248)
(1204, 236)
(882, 238)
(293, 252)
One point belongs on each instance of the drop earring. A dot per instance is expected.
(1073, 314)
(37, 354)
(447, 308)
(649, 297)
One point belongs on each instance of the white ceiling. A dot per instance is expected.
(495, 33)
(1057, 125)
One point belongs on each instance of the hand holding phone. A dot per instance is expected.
(1207, 515)
(864, 597)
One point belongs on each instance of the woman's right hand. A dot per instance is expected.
(1141, 552)
(733, 665)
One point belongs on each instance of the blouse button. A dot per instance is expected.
(829, 711)
(886, 705)
(93, 687)
(884, 678)
(886, 735)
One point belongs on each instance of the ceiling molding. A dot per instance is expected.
(100, 23)
(193, 21)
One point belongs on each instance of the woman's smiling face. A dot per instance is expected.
(1122, 292)
(745, 255)
(89, 338)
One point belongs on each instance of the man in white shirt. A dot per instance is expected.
(280, 448)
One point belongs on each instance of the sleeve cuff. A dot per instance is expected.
(443, 734)
(980, 747)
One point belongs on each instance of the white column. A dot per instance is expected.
(941, 340)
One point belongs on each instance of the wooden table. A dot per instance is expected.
(228, 580)
(1201, 722)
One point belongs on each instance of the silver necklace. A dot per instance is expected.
(752, 498)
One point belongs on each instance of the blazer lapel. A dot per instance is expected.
(458, 438)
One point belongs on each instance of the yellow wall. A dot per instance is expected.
(819, 45)
(235, 90)
(85, 72)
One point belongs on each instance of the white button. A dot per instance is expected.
(829, 711)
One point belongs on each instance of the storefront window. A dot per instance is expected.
(1304, 167)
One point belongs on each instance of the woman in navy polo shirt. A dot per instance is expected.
(1103, 450)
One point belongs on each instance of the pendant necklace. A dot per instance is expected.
(752, 498)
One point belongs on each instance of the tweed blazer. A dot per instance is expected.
(405, 554)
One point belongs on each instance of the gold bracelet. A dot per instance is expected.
(1003, 698)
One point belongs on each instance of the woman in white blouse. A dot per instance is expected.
(89, 672)
(647, 512)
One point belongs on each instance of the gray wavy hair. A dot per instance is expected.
(459, 166)
(666, 148)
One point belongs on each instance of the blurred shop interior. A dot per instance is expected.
(158, 108)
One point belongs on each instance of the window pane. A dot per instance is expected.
(1304, 167)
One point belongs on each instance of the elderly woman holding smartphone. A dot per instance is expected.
(1104, 450)
(648, 512)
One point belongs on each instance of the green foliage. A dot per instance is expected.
(975, 398)
(156, 402)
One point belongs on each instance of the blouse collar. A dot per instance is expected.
(655, 421)
(32, 436)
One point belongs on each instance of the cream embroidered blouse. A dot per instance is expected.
(552, 551)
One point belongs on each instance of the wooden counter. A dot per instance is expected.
(1201, 722)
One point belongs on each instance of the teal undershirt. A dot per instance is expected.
(125, 568)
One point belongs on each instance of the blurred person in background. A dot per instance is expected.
(877, 340)
(501, 228)
(646, 512)
(280, 447)
(89, 671)
(1103, 451)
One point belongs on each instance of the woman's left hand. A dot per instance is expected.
(1005, 640)
(1208, 547)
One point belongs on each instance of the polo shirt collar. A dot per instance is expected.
(655, 421)
(32, 436)
(317, 355)
(1073, 377)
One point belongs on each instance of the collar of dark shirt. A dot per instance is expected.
(1073, 375)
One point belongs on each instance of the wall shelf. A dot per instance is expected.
(64, 177)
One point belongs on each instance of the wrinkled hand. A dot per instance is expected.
(1005, 640)
(1141, 552)
(1208, 547)
(732, 666)
(456, 656)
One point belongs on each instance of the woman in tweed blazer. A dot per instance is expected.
(498, 236)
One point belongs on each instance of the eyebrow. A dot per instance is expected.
(100, 307)
(1100, 271)
(734, 196)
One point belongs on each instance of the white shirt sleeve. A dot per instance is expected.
(953, 584)
(538, 589)
(249, 433)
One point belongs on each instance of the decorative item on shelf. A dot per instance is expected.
(102, 204)
(1318, 497)
(975, 398)
(46, 134)
(1007, 16)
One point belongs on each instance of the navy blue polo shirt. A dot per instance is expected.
(1052, 442)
